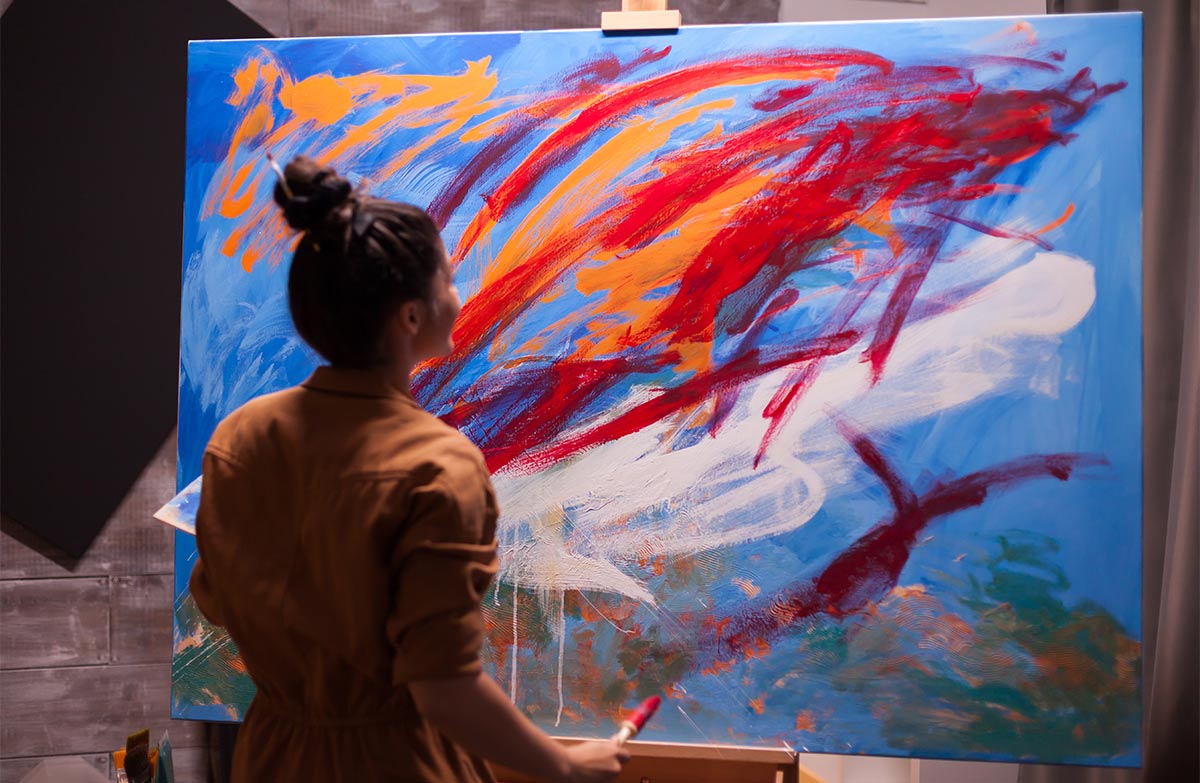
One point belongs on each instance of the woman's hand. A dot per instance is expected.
(594, 762)
(474, 712)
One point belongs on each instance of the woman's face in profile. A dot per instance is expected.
(443, 306)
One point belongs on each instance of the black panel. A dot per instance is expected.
(92, 190)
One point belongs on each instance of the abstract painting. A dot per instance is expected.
(806, 360)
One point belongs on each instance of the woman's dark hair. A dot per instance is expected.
(359, 258)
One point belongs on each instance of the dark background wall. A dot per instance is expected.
(91, 184)
(287, 18)
(92, 188)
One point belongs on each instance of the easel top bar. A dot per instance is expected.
(639, 15)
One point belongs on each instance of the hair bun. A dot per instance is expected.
(316, 192)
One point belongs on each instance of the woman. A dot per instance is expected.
(346, 536)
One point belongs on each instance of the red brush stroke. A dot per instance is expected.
(995, 231)
(879, 139)
(788, 395)
(1010, 62)
(497, 153)
(565, 141)
(1024, 124)
(669, 401)
(639, 218)
(580, 84)
(900, 301)
(784, 98)
(555, 390)
(870, 568)
(725, 398)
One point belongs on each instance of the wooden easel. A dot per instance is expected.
(671, 762)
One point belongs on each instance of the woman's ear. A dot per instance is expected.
(410, 315)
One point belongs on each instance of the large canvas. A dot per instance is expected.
(806, 358)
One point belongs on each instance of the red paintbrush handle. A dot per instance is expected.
(642, 714)
(635, 720)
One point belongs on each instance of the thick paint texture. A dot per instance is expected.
(806, 360)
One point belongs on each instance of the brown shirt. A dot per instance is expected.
(346, 537)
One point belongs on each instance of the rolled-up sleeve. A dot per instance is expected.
(202, 594)
(440, 572)
(217, 473)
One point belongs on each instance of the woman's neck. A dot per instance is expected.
(397, 373)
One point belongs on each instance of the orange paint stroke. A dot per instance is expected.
(259, 76)
(716, 626)
(257, 122)
(747, 586)
(626, 278)
(560, 219)
(1063, 218)
(319, 99)
(718, 667)
(485, 220)
(571, 201)
(424, 100)
(524, 106)
(235, 206)
(461, 98)
(1027, 28)
(259, 70)
(323, 101)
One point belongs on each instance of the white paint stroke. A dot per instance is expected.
(512, 682)
(562, 646)
(632, 496)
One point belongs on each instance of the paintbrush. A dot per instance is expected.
(635, 720)
(137, 757)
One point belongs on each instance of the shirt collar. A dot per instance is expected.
(354, 383)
